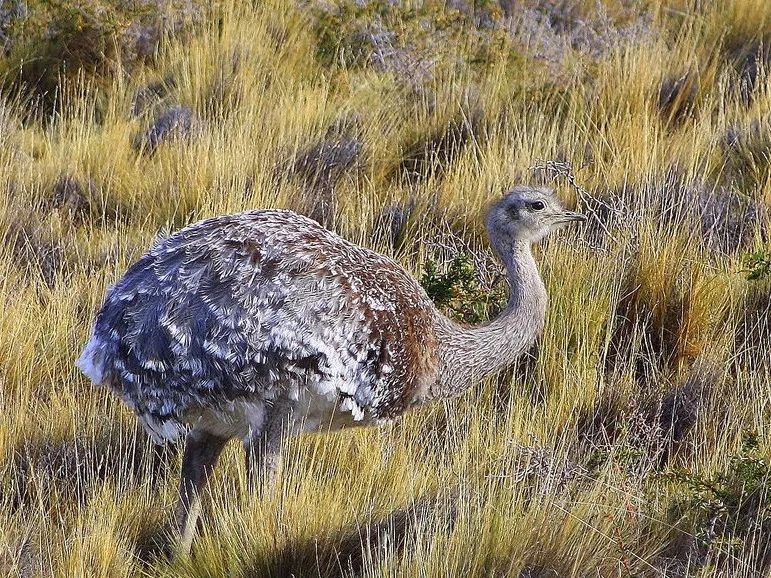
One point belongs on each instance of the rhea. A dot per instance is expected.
(263, 324)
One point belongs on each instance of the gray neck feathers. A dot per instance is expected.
(469, 354)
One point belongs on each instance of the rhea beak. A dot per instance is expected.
(569, 217)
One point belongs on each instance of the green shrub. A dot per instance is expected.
(729, 511)
(459, 292)
(758, 265)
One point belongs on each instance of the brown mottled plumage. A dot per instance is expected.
(262, 323)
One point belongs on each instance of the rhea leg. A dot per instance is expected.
(263, 446)
(263, 460)
(201, 452)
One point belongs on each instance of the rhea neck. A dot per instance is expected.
(469, 354)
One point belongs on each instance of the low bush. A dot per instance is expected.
(54, 41)
(459, 291)
(729, 511)
(758, 265)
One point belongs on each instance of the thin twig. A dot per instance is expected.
(563, 169)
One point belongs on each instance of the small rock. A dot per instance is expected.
(319, 167)
(175, 123)
(150, 95)
(429, 156)
(677, 97)
(69, 195)
(392, 221)
(326, 161)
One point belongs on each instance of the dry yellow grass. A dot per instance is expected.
(556, 469)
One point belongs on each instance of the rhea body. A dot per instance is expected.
(262, 324)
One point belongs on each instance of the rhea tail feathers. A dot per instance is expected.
(91, 361)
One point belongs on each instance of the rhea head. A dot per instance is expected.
(526, 214)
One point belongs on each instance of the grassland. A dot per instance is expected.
(634, 441)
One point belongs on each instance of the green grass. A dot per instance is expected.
(618, 448)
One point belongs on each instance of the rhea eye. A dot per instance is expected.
(537, 205)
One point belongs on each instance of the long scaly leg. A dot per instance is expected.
(263, 446)
(201, 452)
